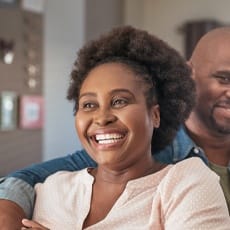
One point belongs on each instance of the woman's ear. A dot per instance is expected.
(156, 116)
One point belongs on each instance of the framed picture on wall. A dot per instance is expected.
(31, 112)
(8, 110)
(36, 6)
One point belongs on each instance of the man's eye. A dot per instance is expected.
(223, 79)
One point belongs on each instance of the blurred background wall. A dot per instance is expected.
(68, 24)
(165, 18)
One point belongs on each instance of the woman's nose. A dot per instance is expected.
(228, 93)
(104, 117)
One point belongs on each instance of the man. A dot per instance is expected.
(206, 132)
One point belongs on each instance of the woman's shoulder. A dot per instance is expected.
(190, 175)
(62, 175)
(189, 189)
(193, 166)
(191, 172)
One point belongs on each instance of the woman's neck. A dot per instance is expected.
(123, 175)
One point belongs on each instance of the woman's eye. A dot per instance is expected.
(119, 103)
(87, 106)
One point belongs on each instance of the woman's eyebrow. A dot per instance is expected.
(121, 90)
(117, 90)
(87, 94)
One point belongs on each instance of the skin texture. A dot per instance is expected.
(209, 122)
(12, 215)
(32, 225)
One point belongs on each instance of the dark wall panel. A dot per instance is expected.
(20, 147)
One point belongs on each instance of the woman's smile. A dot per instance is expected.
(108, 140)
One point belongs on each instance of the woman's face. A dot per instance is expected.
(113, 122)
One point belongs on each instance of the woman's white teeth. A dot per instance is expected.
(108, 138)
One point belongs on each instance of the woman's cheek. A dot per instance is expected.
(81, 124)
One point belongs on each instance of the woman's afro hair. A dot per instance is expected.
(166, 69)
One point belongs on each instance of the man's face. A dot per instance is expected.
(212, 78)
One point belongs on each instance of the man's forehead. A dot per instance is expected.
(215, 49)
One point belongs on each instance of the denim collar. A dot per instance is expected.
(181, 148)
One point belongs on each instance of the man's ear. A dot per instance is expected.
(189, 63)
(156, 116)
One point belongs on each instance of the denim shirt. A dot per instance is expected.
(181, 148)
(23, 180)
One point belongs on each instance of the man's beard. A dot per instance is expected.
(219, 127)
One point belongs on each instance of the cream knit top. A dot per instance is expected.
(184, 196)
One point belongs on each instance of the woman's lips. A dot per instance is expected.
(108, 140)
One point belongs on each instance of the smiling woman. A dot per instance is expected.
(131, 92)
(109, 97)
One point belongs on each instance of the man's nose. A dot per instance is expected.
(104, 117)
